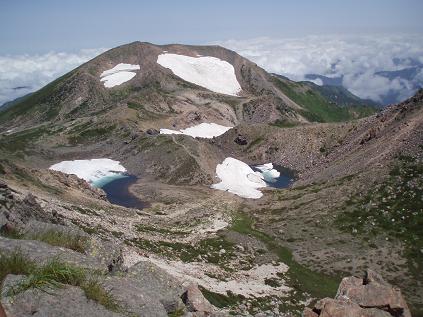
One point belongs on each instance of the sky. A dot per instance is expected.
(42, 39)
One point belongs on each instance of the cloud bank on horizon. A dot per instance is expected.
(379, 67)
(22, 74)
(384, 68)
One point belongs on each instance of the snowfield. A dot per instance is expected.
(238, 178)
(90, 170)
(202, 130)
(118, 75)
(205, 71)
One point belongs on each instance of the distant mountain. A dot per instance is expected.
(159, 84)
(341, 96)
(13, 102)
(331, 81)
(353, 174)
(326, 103)
(411, 78)
(407, 73)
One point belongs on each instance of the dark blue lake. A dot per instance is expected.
(117, 191)
(286, 178)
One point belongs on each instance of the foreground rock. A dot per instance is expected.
(370, 296)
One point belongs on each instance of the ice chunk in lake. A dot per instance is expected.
(239, 178)
(93, 171)
(269, 173)
(118, 75)
(205, 71)
(202, 130)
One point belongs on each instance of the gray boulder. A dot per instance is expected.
(41, 252)
(66, 301)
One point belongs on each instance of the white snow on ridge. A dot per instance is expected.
(238, 178)
(205, 71)
(202, 130)
(118, 75)
(90, 170)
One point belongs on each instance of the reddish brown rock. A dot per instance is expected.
(370, 296)
(308, 312)
(195, 301)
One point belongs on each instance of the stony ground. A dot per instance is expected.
(272, 256)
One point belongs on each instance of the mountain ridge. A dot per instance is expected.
(276, 254)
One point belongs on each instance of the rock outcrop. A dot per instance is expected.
(369, 296)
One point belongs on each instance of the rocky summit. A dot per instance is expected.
(177, 180)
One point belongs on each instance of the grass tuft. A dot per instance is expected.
(50, 276)
(96, 292)
(53, 275)
(67, 240)
(15, 263)
(300, 277)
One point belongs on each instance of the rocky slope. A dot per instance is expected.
(367, 296)
(76, 116)
(271, 256)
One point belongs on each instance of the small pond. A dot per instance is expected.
(286, 178)
(117, 190)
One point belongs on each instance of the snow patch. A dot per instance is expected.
(118, 75)
(202, 130)
(205, 71)
(90, 170)
(239, 178)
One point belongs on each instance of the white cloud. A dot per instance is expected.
(21, 74)
(357, 58)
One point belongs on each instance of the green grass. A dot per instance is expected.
(392, 209)
(53, 275)
(145, 228)
(22, 141)
(10, 233)
(316, 107)
(91, 135)
(220, 300)
(38, 102)
(177, 313)
(254, 143)
(301, 278)
(209, 249)
(49, 276)
(284, 124)
(95, 291)
(67, 240)
(15, 263)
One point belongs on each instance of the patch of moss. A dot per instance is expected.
(284, 124)
(392, 209)
(300, 277)
(316, 107)
(38, 102)
(91, 134)
(254, 143)
(220, 300)
(215, 250)
(22, 141)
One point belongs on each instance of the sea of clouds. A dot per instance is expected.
(21, 74)
(356, 60)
